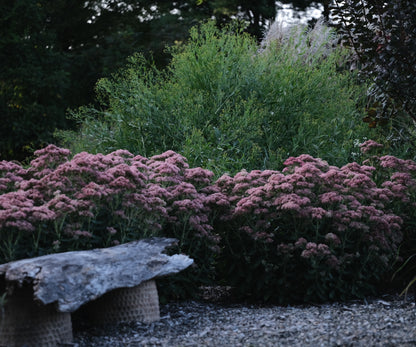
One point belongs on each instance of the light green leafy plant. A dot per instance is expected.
(228, 104)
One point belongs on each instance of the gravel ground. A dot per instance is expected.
(385, 321)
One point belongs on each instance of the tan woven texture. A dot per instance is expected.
(26, 323)
(136, 304)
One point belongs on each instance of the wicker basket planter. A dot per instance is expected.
(24, 322)
(136, 304)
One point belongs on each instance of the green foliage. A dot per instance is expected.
(383, 34)
(227, 104)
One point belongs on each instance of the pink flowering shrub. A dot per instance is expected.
(310, 232)
(399, 177)
(100, 200)
(191, 205)
(10, 174)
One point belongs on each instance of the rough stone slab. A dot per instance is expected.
(71, 279)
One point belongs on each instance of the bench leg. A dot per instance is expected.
(24, 322)
(136, 304)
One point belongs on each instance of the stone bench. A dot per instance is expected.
(109, 285)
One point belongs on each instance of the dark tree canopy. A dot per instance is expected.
(256, 13)
(34, 77)
(53, 52)
(383, 36)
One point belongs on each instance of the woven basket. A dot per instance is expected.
(26, 323)
(136, 304)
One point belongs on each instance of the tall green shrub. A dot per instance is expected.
(227, 104)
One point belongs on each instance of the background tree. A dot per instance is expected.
(34, 78)
(302, 5)
(383, 36)
(53, 52)
(257, 13)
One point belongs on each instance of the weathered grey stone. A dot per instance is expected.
(73, 278)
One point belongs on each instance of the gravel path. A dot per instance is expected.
(386, 321)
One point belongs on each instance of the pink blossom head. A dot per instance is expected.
(311, 250)
(333, 262)
(315, 250)
(122, 153)
(317, 212)
(285, 248)
(11, 174)
(369, 146)
(333, 239)
(111, 230)
(198, 176)
(392, 162)
(48, 159)
(303, 159)
(301, 243)
(172, 158)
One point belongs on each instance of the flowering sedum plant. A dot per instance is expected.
(99, 200)
(310, 232)
(399, 176)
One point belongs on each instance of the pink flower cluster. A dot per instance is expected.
(369, 146)
(310, 211)
(10, 176)
(397, 176)
(315, 210)
(98, 200)
(188, 192)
